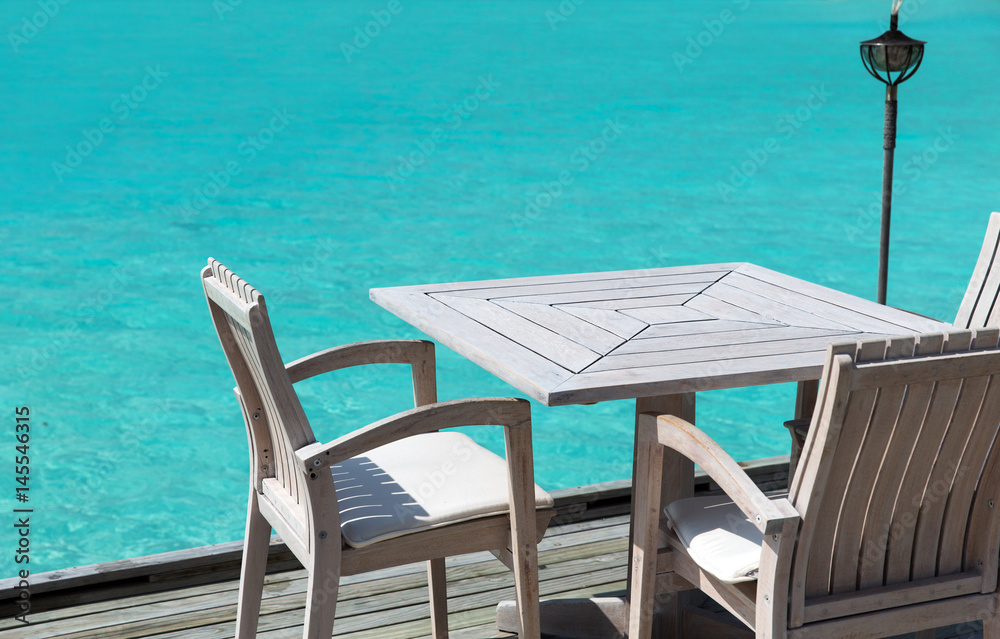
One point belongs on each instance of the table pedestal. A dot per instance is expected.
(678, 483)
(607, 617)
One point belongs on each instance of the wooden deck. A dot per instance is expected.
(578, 560)
(192, 594)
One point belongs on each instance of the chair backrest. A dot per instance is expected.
(900, 473)
(979, 306)
(276, 423)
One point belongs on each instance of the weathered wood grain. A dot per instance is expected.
(549, 336)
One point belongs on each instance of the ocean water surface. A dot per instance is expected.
(322, 149)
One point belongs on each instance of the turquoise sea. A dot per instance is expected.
(321, 149)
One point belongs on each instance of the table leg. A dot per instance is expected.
(601, 618)
(805, 398)
(805, 403)
(678, 483)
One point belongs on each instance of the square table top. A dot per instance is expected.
(572, 339)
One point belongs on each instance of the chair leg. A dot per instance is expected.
(321, 594)
(526, 584)
(436, 584)
(523, 540)
(991, 627)
(645, 530)
(255, 545)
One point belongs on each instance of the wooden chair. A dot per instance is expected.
(979, 308)
(890, 525)
(394, 492)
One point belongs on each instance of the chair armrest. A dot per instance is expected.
(769, 516)
(419, 354)
(382, 351)
(512, 413)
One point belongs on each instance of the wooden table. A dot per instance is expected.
(657, 336)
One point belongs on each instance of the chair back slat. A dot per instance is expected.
(969, 469)
(835, 544)
(881, 518)
(943, 398)
(979, 306)
(243, 327)
(860, 527)
(830, 507)
(874, 439)
(939, 479)
(959, 506)
(884, 493)
(843, 348)
(900, 481)
(982, 543)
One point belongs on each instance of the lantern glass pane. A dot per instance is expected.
(918, 53)
(899, 57)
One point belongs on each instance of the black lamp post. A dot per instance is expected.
(890, 53)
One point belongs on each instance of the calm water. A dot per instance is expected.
(318, 162)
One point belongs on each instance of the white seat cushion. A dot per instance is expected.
(418, 483)
(718, 536)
